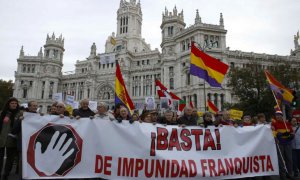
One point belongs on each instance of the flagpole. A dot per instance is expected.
(204, 95)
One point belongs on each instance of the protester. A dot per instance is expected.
(9, 114)
(61, 109)
(84, 110)
(124, 115)
(284, 134)
(247, 121)
(208, 120)
(147, 118)
(103, 113)
(168, 118)
(53, 108)
(226, 119)
(261, 119)
(117, 110)
(135, 117)
(296, 147)
(187, 119)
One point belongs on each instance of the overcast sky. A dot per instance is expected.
(262, 26)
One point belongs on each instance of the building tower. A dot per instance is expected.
(37, 77)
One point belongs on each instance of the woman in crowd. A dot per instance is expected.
(9, 114)
(296, 147)
(207, 119)
(124, 115)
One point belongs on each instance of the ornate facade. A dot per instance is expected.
(38, 77)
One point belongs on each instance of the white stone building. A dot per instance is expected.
(38, 77)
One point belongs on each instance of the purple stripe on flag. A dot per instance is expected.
(196, 71)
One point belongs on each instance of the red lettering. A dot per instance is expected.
(119, 166)
(255, 164)
(168, 168)
(187, 144)
(128, 167)
(152, 147)
(262, 158)
(160, 168)
(174, 168)
(107, 165)
(238, 165)
(174, 140)
(229, 166)
(100, 163)
(162, 135)
(183, 170)
(245, 164)
(197, 133)
(204, 167)
(208, 140)
(212, 167)
(192, 168)
(139, 164)
(269, 165)
(221, 169)
(218, 139)
(147, 173)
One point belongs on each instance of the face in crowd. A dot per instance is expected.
(188, 111)
(60, 108)
(195, 112)
(169, 116)
(294, 122)
(135, 117)
(13, 105)
(247, 119)
(101, 108)
(154, 116)
(226, 115)
(207, 117)
(278, 116)
(148, 118)
(123, 112)
(84, 104)
(32, 106)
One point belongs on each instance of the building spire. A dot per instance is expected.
(21, 52)
(198, 18)
(93, 50)
(221, 20)
(40, 54)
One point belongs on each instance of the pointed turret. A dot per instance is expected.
(198, 18)
(40, 54)
(21, 52)
(221, 20)
(175, 11)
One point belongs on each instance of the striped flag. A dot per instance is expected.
(206, 67)
(280, 92)
(121, 94)
(211, 107)
(162, 91)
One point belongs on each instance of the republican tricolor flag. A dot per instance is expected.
(280, 92)
(206, 67)
(211, 107)
(121, 94)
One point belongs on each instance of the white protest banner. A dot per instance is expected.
(57, 97)
(69, 99)
(93, 105)
(55, 147)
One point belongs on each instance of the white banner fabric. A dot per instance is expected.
(55, 147)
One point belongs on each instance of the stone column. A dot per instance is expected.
(46, 91)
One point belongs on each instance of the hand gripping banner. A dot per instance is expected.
(54, 147)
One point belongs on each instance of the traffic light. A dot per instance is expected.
(294, 102)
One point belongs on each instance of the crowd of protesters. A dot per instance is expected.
(286, 132)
